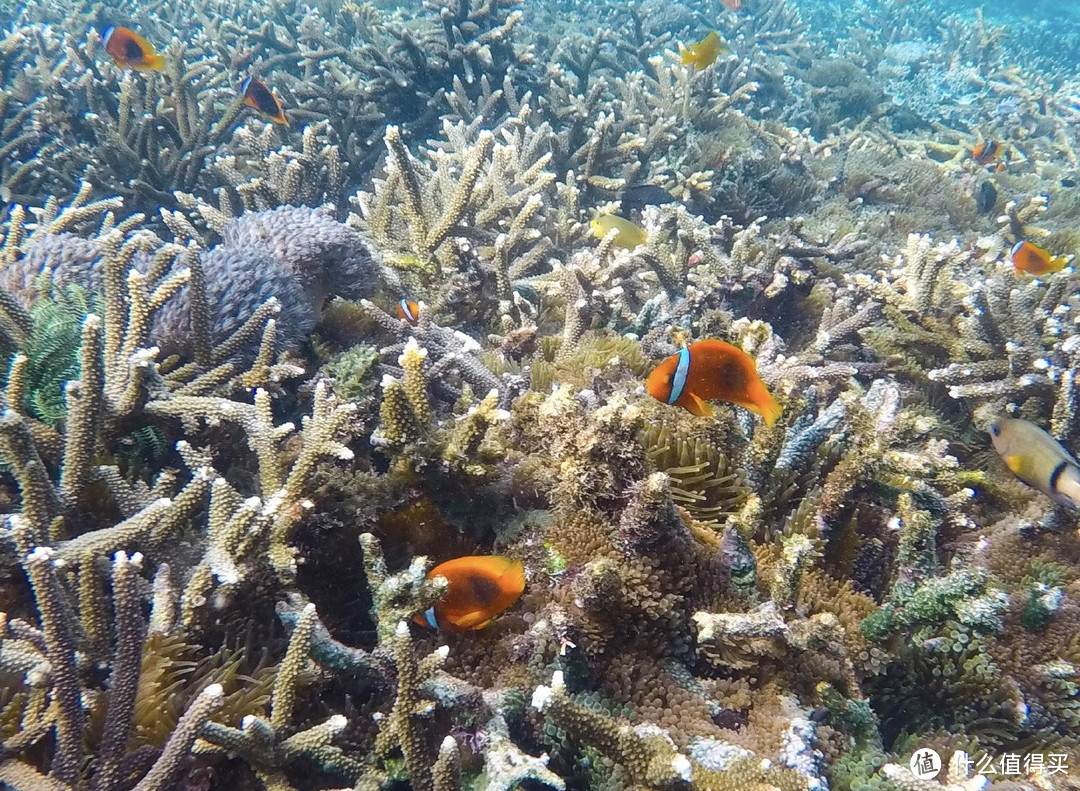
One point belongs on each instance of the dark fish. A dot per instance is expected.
(258, 96)
(986, 197)
(638, 196)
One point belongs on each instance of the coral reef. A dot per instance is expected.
(261, 380)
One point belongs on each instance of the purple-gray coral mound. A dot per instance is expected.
(324, 255)
(297, 254)
(238, 281)
(67, 258)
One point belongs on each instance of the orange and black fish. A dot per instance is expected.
(257, 95)
(1029, 257)
(987, 152)
(711, 369)
(408, 310)
(481, 587)
(130, 50)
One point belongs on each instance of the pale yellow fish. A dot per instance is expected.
(1037, 459)
(705, 52)
(629, 235)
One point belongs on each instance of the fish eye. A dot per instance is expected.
(995, 429)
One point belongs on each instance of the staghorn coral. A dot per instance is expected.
(56, 640)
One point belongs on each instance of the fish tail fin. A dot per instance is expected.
(686, 56)
(515, 573)
(1058, 263)
(770, 409)
(1068, 487)
(155, 63)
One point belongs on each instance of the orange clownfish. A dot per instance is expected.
(985, 153)
(130, 50)
(257, 95)
(481, 587)
(408, 310)
(1029, 257)
(704, 52)
(734, 5)
(711, 369)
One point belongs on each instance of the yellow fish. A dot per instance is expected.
(629, 235)
(1037, 459)
(704, 52)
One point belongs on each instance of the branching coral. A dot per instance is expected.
(710, 602)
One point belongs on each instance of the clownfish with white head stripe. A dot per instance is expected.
(481, 587)
(408, 310)
(129, 50)
(711, 369)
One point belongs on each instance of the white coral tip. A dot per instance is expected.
(39, 554)
(542, 697)
(681, 764)
(214, 691)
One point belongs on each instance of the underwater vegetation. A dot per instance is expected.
(516, 395)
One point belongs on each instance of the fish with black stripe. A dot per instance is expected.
(1037, 459)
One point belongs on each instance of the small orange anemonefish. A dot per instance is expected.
(1029, 257)
(481, 587)
(734, 5)
(711, 369)
(130, 50)
(987, 152)
(408, 310)
(263, 100)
